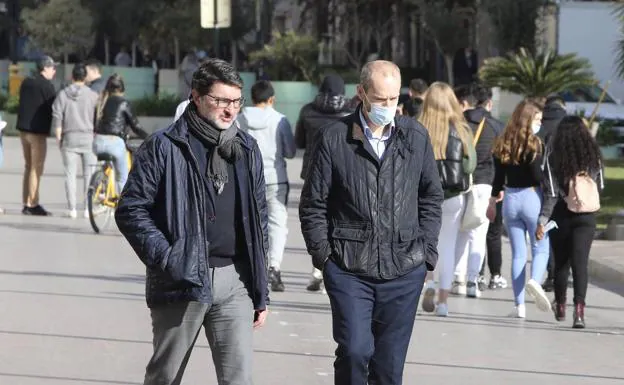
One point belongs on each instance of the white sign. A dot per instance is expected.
(224, 13)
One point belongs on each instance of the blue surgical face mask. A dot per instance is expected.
(536, 127)
(380, 115)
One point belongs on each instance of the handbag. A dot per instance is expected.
(475, 212)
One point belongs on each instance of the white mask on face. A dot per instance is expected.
(536, 127)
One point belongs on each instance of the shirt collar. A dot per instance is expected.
(369, 133)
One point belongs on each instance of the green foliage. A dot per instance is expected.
(606, 135)
(537, 76)
(3, 99)
(514, 22)
(9, 104)
(156, 105)
(289, 57)
(60, 27)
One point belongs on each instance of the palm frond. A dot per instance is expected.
(537, 75)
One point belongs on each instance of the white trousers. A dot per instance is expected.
(471, 244)
(452, 210)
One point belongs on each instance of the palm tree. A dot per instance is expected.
(537, 76)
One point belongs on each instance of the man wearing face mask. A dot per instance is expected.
(194, 210)
(370, 215)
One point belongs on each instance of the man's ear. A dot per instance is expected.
(271, 100)
(195, 96)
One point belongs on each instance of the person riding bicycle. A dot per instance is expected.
(114, 116)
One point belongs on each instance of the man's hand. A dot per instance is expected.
(59, 136)
(500, 197)
(539, 233)
(491, 211)
(259, 318)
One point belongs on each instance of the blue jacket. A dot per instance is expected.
(162, 214)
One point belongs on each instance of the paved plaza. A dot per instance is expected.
(72, 311)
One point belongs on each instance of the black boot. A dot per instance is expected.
(579, 316)
(559, 309)
(549, 285)
(275, 278)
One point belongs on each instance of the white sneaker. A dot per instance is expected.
(428, 303)
(538, 294)
(458, 288)
(519, 311)
(442, 310)
(497, 282)
(472, 290)
(72, 214)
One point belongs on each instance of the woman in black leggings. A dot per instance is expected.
(573, 150)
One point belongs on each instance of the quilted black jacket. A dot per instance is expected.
(162, 214)
(378, 219)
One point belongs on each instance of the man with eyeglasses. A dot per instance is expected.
(194, 210)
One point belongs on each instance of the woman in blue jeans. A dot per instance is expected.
(114, 116)
(518, 162)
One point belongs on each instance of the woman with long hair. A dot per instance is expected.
(518, 163)
(451, 138)
(572, 152)
(113, 117)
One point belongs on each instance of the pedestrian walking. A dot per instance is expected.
(518, 161)
(370, 217)
(34, 118)
(115, 119)
(456, 159)
(73, 116)
(329, 105)
(572, 185)
(275, 138)
(194, 210)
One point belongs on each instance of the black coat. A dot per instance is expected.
(116, 117)
(378, 219)
(323, 111)
(34, 113)
(551, 117)
(162, 213)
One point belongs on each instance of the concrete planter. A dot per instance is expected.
(155, 123)
(11, 120)
(610, 152)
(149, 123)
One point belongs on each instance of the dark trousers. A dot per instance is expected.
(372, 324)
(571, 245)
(494, 243)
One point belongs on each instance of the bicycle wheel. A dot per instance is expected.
(100, 213)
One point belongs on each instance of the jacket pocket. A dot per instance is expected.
(349, 240)
(409, 250)
(183, 261)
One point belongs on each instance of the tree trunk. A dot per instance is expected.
(448, 62)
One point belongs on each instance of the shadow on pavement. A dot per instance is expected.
(56, 228)
(119, 278)
(72, 379)
(78, 295)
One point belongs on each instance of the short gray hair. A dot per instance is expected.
(388, 68)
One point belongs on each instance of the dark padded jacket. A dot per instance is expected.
(324, 110)
(116, 117)
(162, 213)
(484, 173)
(378, 219)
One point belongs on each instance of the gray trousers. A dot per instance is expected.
(71, 157)
(228, 324)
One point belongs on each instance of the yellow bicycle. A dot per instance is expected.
(102, 196)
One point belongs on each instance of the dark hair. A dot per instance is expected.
(573, 150)
(94, 63)
(213, 71)
(481, 94)
(555, 99)
(115, 84)
(261, 91)
(79, 72)
(464, 94)
(418, 85)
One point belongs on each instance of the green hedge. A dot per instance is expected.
(156, 105)
(9, 104)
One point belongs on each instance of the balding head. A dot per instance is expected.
(378, 69)
(380, 87)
